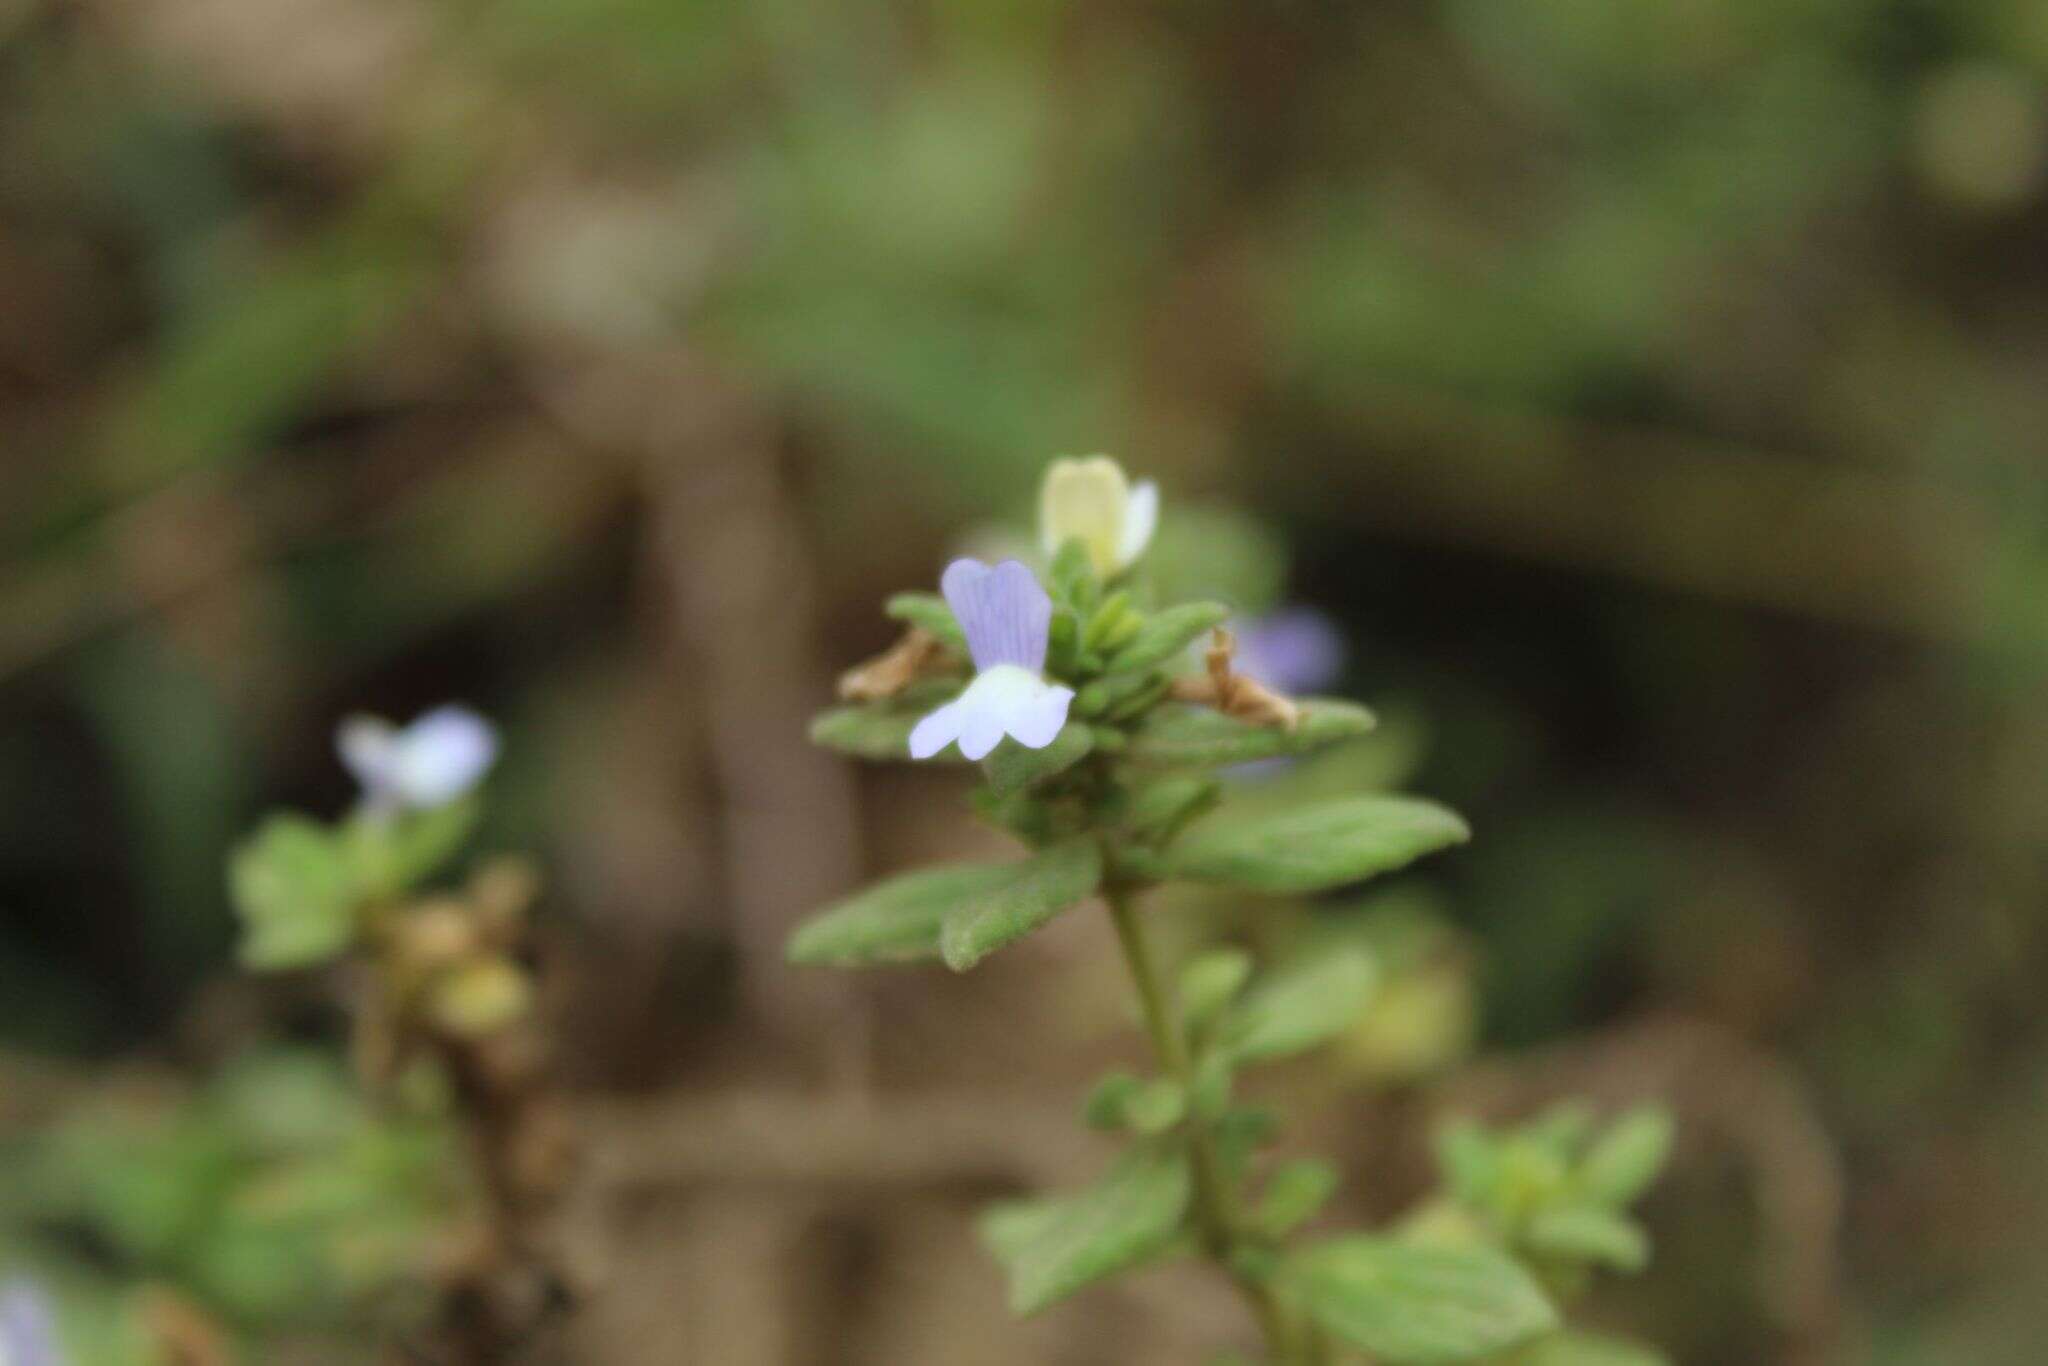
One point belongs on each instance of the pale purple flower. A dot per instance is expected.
(1007, 618)
(28, 1326)
(437, 759)
(1294, 650)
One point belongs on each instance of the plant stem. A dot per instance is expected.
(1216, 1211)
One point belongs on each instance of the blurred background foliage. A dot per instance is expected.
(1651, 392)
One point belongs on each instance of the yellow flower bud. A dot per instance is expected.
(1090, 500)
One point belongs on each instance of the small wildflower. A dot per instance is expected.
(28, 1326)
(436, 760)
(1091, 500)
(1007, 618)
(1294, 650)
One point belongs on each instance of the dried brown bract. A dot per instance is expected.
(1234, 694)
(917, 655)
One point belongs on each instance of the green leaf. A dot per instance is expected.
(1041, 888)
(1012, 767)
(898, 920)
(1113, 624)
(1243, 1131)
(293, 888)
(1589, 1233)
(1072, 577)
(1214, 1077)
(392, 856)
(1122, 1101)
(1469, 1158)
(1294, 1194)
(1210, 982)
(1315, 848)
(1301, 1005)
(1408, 1303)
(1588, 1349)
(877, 730)
(1052, 1248)
(929, 611)
(1162, 809)
(1562, 1128)
(1185, 735)
(1625, 1160)
(1165, 634)
(1119, 694)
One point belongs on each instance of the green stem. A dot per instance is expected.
(1216, 1212)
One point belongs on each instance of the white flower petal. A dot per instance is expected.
(1038, 722)
(1005, 700)
(442, 756)
(1141, 519)
(935, 731)
(368, 746)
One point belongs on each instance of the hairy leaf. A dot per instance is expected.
(1162, 809)
(1042, 887)
(1052, 1248)
(1410, 1303)
(1301, 1005)
(1315, 848)
(1165, 634)
(899, 920)
(1181, 734)
(1012, 767)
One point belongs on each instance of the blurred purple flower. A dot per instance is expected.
(436, 760)
(1295, 650)
(1007, 618)
(28, 1326)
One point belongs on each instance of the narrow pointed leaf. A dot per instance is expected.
(1624, 1161)
(1012, 767)
(1302, 1005)
(1409, 1303)
(1315, 848)
(1163, 809)
(1590, 1233)
(1294, 1194)
(1210, 982)
(1042, 887)
(1166, 634)
(898, 920)
(1052, 1248)
(1182, 734)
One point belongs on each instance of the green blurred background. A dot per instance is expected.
(1653, 392)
